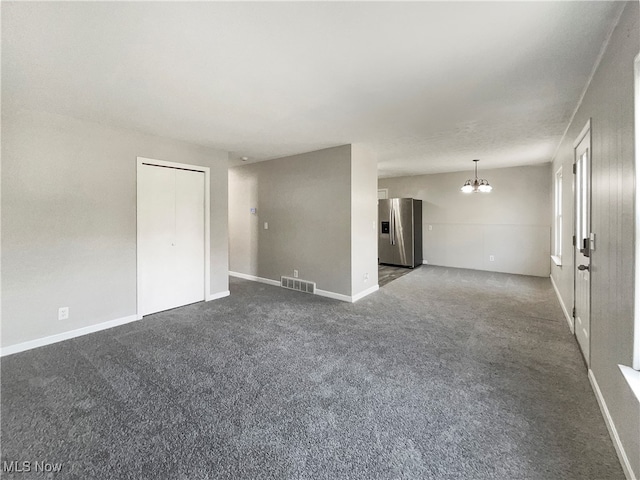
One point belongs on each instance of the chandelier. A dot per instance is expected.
(477, 185)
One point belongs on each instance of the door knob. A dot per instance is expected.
(583, 267)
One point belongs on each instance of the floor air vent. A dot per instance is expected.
(297, 284)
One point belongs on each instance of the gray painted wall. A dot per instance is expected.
(306, 201)
(512, 223)
(69, 220)
(364, 215)
(609, 104)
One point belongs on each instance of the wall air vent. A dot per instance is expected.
(297, 284)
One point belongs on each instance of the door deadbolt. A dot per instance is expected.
(583, 267)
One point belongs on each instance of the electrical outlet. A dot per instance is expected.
(365, 277)
(430, 227)
(63, 313)
(491, 258)
(295, 274)
(266, 225)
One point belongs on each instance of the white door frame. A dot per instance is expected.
(636, 329)
(207, 221)
(586, 131)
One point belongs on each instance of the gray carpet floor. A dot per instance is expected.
(443, 374)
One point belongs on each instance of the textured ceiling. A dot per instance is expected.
(427, 85)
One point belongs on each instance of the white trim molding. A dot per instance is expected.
(322, 293)
(79, 332)
(596, 65)
(333, 295)
(253, 278)
(368, 291)
(218, 295)
(562, 305)
(613, 432)
(585, 130)
(59, 337)
(635, 363)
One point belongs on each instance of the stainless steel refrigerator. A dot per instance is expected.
(400, 232)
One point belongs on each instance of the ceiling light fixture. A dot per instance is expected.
(476, 185)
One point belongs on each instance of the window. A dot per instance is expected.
(557, 216)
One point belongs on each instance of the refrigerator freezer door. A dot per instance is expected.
(385, 248)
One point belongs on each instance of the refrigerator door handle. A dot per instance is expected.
(392, 227)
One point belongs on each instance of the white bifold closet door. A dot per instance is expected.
(171, 237)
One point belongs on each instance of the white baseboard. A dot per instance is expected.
(335, 296)
(368, 291)
(218, 295)
(59, 337)
(613, 432)
(322, 293)
(562, 305)
(253, 278)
